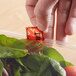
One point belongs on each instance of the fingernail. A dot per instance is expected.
(69, 32)
(41, 26)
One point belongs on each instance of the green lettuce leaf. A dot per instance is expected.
(42, 66)
(53, 53)
(65, 63)
(57, 67)
(1, 67)
(11, 42)
(41, 60)
(7, 52)
(11, 47)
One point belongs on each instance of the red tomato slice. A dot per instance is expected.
(33, 33)
(70, 70)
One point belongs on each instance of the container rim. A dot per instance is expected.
(48, 41)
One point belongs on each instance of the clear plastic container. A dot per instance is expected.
(13, 17)
(67, 50)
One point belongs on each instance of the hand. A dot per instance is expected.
(42, 15)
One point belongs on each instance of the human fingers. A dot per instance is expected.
(63, 12)
(30, 5)
(71, 23)
(44, 13)
(45, 16)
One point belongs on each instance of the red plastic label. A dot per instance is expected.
(33, 33)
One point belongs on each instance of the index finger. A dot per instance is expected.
(30, 5)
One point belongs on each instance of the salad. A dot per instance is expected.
(22, 57)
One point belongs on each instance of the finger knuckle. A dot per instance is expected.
(39, 12)
(64, 6)
(64, 11)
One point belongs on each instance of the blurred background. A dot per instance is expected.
(13, 17)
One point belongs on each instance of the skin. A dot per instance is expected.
(42, 15)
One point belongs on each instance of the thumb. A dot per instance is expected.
(44, 13)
